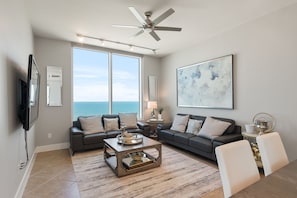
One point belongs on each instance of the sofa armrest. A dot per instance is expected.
(164, 126)
(142, 125)
(76, 139)
(76, 131)
(224, 139)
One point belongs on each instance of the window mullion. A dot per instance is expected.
(110, 82)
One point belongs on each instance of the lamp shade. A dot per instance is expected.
(152, 104)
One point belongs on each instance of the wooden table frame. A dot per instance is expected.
(114, 154)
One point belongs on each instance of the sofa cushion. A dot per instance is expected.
(167, 134)
(91, 124)
(112, 134)
(213, 128)
(196, 117)
(201, 143)
(111, 124)
(94, 138)
(180, 123)
(128, 120)
(194, 126)
(182, 138)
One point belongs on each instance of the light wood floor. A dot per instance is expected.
(53, 176)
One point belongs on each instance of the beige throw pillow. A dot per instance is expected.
(213, 128)
(111, 124)
(194, 126)
(180, 123)
(91, 124)
(128, 120)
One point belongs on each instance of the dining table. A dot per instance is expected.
(281, 183)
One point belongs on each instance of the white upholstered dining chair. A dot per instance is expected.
(272, 151)
(238, 168)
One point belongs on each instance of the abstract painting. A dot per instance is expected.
(207, 84)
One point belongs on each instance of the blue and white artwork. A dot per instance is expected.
(207, 85)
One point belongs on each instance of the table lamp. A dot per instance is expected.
(152, 105)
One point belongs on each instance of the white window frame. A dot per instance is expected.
(110, 53)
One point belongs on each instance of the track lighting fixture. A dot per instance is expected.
(102, 41)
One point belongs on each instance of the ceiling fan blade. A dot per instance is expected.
(138, 33)
(154, 35)
(126, 26)
(137, 15)
(163, 16)
(163, 28)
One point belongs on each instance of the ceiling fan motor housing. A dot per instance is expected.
(148, 14)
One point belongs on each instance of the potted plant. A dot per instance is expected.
(160, 110)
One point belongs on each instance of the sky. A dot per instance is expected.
(90, 74)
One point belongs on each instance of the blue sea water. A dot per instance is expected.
(99, 108)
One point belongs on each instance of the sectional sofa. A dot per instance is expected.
(200, 144)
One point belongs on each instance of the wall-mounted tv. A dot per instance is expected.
(29, 95)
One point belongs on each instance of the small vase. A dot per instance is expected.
(159, 116)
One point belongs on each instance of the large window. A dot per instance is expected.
(104, 82)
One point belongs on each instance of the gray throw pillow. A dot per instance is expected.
(213, 128)
(91, 124)
(194, 126)
(180, 123)
(111, 124)
(128, 120)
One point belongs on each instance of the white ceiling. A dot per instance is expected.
(200, 20)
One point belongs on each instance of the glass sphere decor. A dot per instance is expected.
(264, 122)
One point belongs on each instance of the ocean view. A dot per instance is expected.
(99, 108)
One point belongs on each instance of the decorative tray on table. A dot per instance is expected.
(131, 139)
(137, 159)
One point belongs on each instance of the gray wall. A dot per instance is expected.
(265, 67)
(16, 43)
(151, 68)
(54, 120)
(57, 120)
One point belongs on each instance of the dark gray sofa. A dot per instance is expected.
(196, 144)
(79, 141)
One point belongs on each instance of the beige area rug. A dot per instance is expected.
(178, 176)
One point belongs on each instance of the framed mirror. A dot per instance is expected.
(54, 86)
(152, 88)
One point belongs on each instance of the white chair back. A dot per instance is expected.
(238, 168)
(272, 151)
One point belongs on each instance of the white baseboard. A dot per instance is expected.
(52, 147)
(31, 162)
(22, 186)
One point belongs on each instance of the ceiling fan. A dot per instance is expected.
(148, 25)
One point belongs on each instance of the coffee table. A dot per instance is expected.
(120, 159)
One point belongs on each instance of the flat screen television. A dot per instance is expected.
(29, 95)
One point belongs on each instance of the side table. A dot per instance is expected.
(153, 123)
(251, 137)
